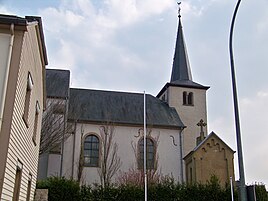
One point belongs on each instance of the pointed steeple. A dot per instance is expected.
(181, 67)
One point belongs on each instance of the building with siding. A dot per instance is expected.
(22, 101)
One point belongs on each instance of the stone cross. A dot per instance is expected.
(202, 124)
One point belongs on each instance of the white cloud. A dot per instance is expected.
(254, 115)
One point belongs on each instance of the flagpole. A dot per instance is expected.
(144, 148)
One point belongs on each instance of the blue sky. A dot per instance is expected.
(129, 45)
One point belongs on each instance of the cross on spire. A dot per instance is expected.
(179, 9)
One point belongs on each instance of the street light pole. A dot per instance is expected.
(242, 189)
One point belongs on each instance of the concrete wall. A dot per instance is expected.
(21, 150)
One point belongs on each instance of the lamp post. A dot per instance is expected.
(242, 189)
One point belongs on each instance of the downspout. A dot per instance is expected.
(6, 74)
(181, 159)
(74, 142)
(63, 135)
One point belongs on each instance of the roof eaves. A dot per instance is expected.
(40, 26)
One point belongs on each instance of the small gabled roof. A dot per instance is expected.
(121, 108)
(205, 140)
(57, 83)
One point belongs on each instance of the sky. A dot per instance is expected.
(128, 45)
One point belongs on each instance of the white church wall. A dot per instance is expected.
(126, 137)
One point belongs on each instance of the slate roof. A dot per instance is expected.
(57, 83)
(181, 67)
(120, 107)
(181, 75)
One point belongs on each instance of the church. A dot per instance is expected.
(106, 135)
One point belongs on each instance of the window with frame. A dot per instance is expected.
(37, 111)
(150, 154)
(91, 151)
(16, 190)
(29, 187)
(27, 99)
(188, 98)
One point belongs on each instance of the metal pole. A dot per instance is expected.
(232, 191)
(242, 188)
(144, 149)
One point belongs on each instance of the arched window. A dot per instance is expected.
(150, 153)
(190, 98)
(184, 98)
(91, 151)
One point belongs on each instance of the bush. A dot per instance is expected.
(261, 193)
(60, 189)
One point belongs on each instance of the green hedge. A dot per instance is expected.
(61, 189)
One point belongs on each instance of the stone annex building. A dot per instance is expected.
(176, 145)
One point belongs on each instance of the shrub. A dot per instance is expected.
(60, 189)
(261, 193)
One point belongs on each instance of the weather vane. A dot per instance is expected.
(179, 9)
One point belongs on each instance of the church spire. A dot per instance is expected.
(181, 67)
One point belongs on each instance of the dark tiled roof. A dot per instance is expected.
(188, 84)
(120, 107)
(8, 19)
(182, 83)
(57, 83)
(181, 68)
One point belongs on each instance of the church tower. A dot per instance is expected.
(186, 96)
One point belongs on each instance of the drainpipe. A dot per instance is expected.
(74, 142)
(65, 118)
(181, 159)
(6, 74)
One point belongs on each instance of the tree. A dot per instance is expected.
(110, 161)
(81, 163)
(54, 129)
(135, 175)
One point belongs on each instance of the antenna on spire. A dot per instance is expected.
(179, 9)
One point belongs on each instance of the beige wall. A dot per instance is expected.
(25, 58)
(190, 115)
(168, 153)
(5, 41)
(212, 158)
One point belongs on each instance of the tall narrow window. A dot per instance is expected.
(184, 98)
(190, 98)
(91, 151)
(29, 187)
(150, 154)
(27, 99)
(37, 111)
(16, 191)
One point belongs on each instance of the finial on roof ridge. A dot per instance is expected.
(179, 9)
